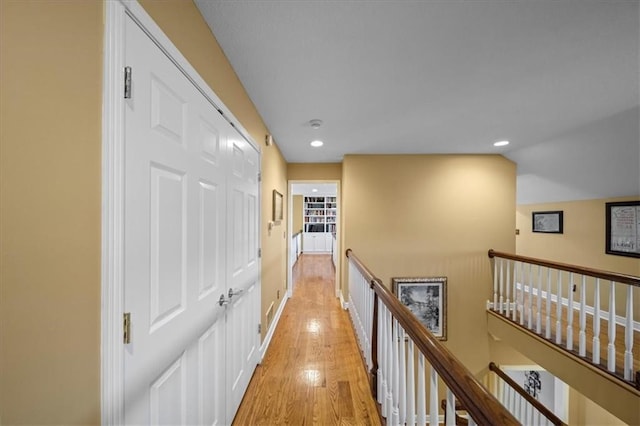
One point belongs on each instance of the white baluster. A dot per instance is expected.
(433, 397)
(402, 397)
(512, 400)
(582, 346)
(530, 299)
(628, 336)
(508, 286)
(421, 405)
(372, 295)
(570, 314)
(381, 352)
(547, 323)
(386, 359)
(559, 309)
(495, 284)
(390, 369)
(507, 289)
(395, 414)
(522, 305)
(515, 294)
(501, 301)
(596, 323)
(611, 353)
(450, 408)
(539, 300)
(411, 388)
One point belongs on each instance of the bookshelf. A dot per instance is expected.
(319, 219)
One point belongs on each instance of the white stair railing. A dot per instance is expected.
(403, 358)
(538, 285)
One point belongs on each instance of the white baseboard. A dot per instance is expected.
(343, 303)
(272, 328)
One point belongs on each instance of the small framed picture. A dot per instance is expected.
(426, 298)
(278, 211)
(547, 222)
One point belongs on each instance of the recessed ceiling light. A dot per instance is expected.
(501, 143)
(314, 190)
(316, 144)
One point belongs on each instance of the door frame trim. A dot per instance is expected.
(112, 232)
(338, 275)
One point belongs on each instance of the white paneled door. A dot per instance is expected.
(191, 275)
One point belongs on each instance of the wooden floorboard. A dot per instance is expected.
(312, 373)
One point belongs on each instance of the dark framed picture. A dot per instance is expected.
(547, 222)
(426, 298)
(623, 228)
(278, 211)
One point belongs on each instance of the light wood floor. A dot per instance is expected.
(312, 372)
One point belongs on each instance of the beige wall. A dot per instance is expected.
(274, 241)
(50, 106)
(314, 171)
(582, 241)
(434, 215)
(297, 208)
(584, 412)
(50, 198)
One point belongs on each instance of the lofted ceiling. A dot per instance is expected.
(555, 77)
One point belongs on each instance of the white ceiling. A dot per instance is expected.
(321, 189)
(442, 77)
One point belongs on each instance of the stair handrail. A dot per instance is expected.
(531, 400)
(481, 405)
(597, 273)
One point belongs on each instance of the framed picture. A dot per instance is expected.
(547, 222)
(623, 228)
(426, 298)
(278, 211)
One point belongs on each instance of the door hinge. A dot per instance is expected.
(127, 328)
(259, 252)
(259, 177)
(259, 328)
(127, 82)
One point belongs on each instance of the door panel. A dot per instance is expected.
(242, 320)
(211, 392)
(168, 395)
(167, 244)
(191, 224)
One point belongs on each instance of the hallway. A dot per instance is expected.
(312, 372)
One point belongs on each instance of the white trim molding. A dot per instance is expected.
(343, 302)
(272, 328)
(112, 357)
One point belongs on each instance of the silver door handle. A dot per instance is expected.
(235, 292)
(223, 301)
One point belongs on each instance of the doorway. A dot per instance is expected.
(314, 224)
